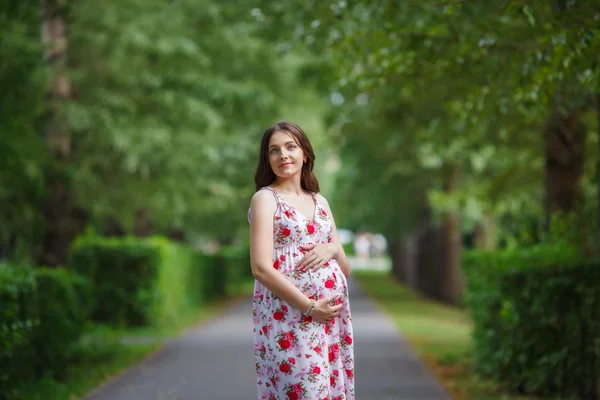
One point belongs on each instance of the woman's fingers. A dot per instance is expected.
(333, 313)
(309, 266)
(335, 310)
(331, 317)
(330, 313)
(311, 263)
(316, 264)
(309, 246)
(335, 299)
(306, 260)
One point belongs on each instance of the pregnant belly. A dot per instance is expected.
(321, 283)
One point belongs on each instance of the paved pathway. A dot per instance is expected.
(216, 361)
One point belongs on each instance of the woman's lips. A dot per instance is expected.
(285, 165)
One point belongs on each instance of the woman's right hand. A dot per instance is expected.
(324, 312)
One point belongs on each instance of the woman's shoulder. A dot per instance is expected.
(323, 202)
(263, 198)
(321, 198)
(262, 204)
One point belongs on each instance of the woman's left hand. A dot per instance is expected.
(319, 254)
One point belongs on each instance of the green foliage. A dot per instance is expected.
(119, 281)
(233, 262)
(173, 99)
(180, 276)
(188, 279)
(423, 84)
(528, 228)
(18, 321)
(135, 282)
(576, 229)
(384, 184)
(349, 249)
(41, 320)
(62, 318)
(536, 321)
(169, 100)
(22, 152)
(122, 274)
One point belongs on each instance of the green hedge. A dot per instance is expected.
(40, 319)
(536, 319)
(113, 280)
(187, 279)
(122, 275)
(62, 316)
(152, 281)
(235, 266)
(17, 323)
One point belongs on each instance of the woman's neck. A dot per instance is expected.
(288, 187)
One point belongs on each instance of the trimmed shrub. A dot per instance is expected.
(62, 318)
(153, 280)
(117, 281)
(536, 319)
(234, 266)
(186, 281)
(555, 316)
(122, 273)
(17, 323)
(41, 318)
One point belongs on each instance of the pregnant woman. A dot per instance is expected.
(302, 323)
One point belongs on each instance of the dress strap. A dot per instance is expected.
(275, 194)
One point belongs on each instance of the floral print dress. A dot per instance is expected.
(296, 357)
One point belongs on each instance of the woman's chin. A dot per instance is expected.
(287, 174)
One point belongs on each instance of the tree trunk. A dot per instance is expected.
(176, 235)
(225, 240)
(112, 227)
(452, 283)
(397, 256)
(431, 263)
(598, 181)
(142, 223)
(403, 253)
(410, 253)
(564, 153)
(60, 223)
(486, 234)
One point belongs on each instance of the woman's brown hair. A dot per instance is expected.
(265, 176)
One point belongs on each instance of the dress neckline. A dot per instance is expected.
(315, 209)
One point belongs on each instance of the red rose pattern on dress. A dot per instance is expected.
(298, 358)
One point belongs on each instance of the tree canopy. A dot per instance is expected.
(426, 86)
(432, 107)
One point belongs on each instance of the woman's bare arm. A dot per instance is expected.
(263, 208)
(340, 254)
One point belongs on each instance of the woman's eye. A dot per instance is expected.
(291, 147)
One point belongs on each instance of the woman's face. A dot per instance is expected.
(285, 155)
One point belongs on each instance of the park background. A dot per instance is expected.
(466, 132)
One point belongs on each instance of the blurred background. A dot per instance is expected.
(457, 141)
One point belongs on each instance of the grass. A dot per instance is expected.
(105, 352)
(440, 334)
(92, 364)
